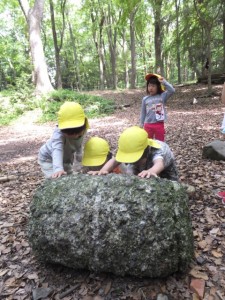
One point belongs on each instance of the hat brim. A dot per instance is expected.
(128, 157)
(93, 162)
(74, 124)
(151, 75)
(154, 144)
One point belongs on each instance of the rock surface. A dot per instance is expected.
(115, 223)
(214, 150)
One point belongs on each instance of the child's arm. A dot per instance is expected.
(107, 168)
(170, 90)
(157, 168)
(58, 174)
(57, 154)
(143, 113)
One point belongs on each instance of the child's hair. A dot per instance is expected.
(154, 80)
(145, 153)
(76, 130)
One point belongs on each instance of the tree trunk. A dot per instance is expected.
(224, 38)
(33, 17)
(209, 56)
(126, 73)
(77, 67)
(178, 40)
(99, 46)
(112, 37)
(58, 76)
(158, 37)
(133, 49)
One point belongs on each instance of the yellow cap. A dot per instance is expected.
(71, 115)
(147, 76)
(132, 143)
(95, 152)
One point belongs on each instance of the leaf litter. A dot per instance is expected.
(188, 129)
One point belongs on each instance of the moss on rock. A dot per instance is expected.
(115, 223)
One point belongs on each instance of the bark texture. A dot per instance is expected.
(115, 223)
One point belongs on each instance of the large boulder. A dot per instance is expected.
(214, 150)
(115, 223)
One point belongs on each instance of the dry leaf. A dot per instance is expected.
(3, 272)
(214, 231)
(108, 287)
(195, 297)
(198, 274)
(202, 244)
(217, 254)
(33, 276)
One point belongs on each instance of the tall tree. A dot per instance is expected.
(97, 15)
(177, 5)
(223, 20)
(112, 38)
(208, 15)
(133, 48)
(58, 45)
(157, 10)
(34, 17)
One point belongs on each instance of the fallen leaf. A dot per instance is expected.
(198, 274)
(216, 254)
(108, 287)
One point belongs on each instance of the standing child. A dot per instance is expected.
(56, 156)
(153, 113)
(223, 102)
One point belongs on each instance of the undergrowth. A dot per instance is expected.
(20, 98)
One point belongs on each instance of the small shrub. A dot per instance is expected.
(21, 98)
(94, 106)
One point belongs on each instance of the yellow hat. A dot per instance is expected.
(95, 152)
(71, 115)
(132, 143)
(148, 76)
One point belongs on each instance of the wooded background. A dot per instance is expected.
(99, 44)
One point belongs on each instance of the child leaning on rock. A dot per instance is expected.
(96, 154)
(147, 157)
(56, 156)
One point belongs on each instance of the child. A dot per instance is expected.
(96, 154)
(148, 157)
(222, 193)
(153, 113)
(223, 102)
(56, 156)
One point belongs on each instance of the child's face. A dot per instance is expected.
(75, 135)
(152, 89)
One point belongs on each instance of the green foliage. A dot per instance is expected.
(91, 21)
(15, 102)
(94, 106)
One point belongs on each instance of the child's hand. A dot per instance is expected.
(160, 79)
(147, 174)
(58, 174)
(98, 172)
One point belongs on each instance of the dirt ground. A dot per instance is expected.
(189, 128)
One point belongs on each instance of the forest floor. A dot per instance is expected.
(189, 128)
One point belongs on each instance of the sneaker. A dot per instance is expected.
(221, 195)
